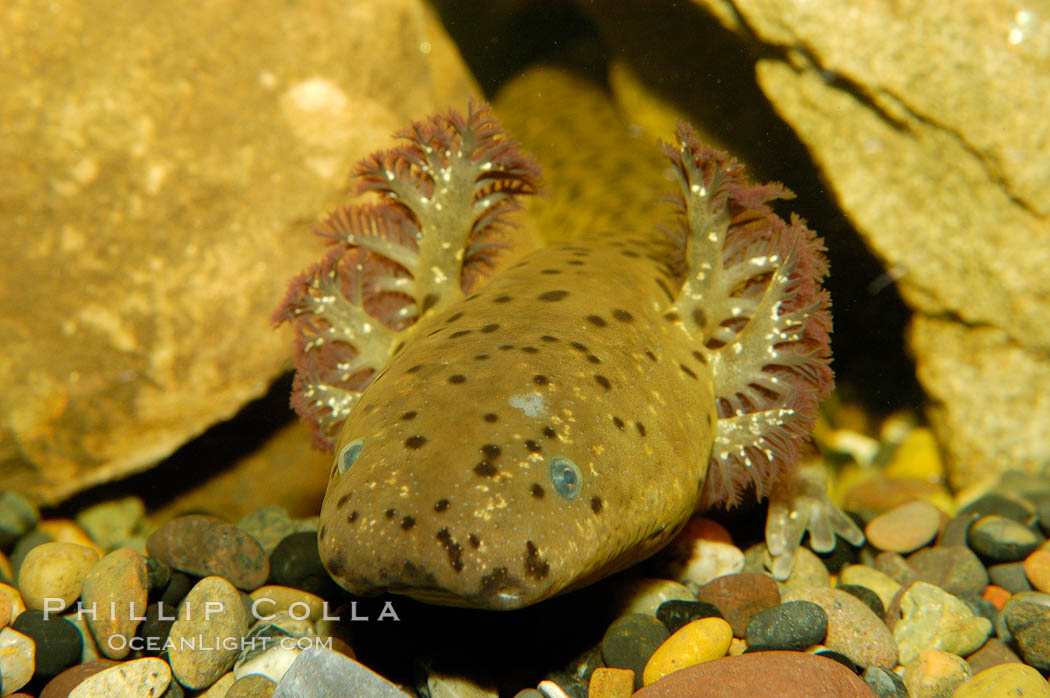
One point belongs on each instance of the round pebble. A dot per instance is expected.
(204, 645)
(905, 528)
(206, 545)
(1035, 597)
(115, 589)
(58, 642)
(999, 539)
(1037, 569)
(869, 597)
(1010, 576)
(1029, 625)
(18, 516)
(879, 582)
(1001, 505)
(273, 599)
(11, 604)
(296, 563)
(268, 525)
(1005, 681)
(61, 685)
(148, 676)
(957, 530)
(809, 571)
(699, 641)
(935, 673)
(112, 523)
(630, 641)
(793, 625)
(52, 575)
(676, 613)
(608, 682)
(781, 674)
(934, 619)
(993, 653)
(67, 531)
(154, 630)
(884, 684)
(740, 597)
(853, 629)
(17, 659)
(252, 686)
(644, 595)
(894, 566)
(953, 568)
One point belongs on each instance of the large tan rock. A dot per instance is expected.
(160, 167)
(928, 120)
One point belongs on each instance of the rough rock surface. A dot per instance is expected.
(157, 185)
(928, 121)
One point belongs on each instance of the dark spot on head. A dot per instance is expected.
(411, 414)
(457, 378)
(622, 315)
(687, 371)
(475, 542)
(629, 253)
(414, 368)
(602, 381)
(491, 327)
(596, 505)
(530, 350)
(415, 442)
(455, 316)
(593, 359)
(459, 333)
(553, 295)
(540, 380)
(672, 316)
(537, 490)
(576, 262)
(550, 271)
(532, 446)
(699, 317)
(441, 505)
(491, 451)
(390, 513)
(454, 549)
(480, 357)
(485, 469)
(618, 422)
(501, 299)
(434, 332)
(341, 502)
(640, 427)
(663, 287)
(495, 582)
(581, 347)
(535, 566)
(596, 320)
(548, 338)
(352, 517)
(549, 432)
(491, 417)
(652, 356)
(506, 347)
(407, 522)
(700, 357)
(428, 302)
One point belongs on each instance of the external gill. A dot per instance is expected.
(443, 198)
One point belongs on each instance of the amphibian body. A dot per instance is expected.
(501, 440)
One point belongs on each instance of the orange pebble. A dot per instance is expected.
(611, 683)
(996, 595)
(1037, 569)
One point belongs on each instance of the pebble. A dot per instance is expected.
(781, 674)
(272, 662)
(1002, 505)
(994, 652)
(676, 613)
(7, 574)
(320, 673)
(1010, 576)
(58, 642)
(148, 676)
(607, 682)
(644, 595)
(879, 582)
(905, 528)
(699, 641)
(54, 572)
(272, 599)
(157, 575)
(1037, 569)
(18, 516)
(957, 530)
(252, 686)
(1025, 597)
(219, 689)
(1029, 625)
(268, 525)
(934, 619)
(206, 545)
(999, 539)
(702, 551)
(11, 604)
(894, 566)
(869, 597)
(116, 589)
(205, 645)
(793, 625)
(22, 547)
(809, 571)
(853, 629)
(61, 685)
(112, 523)
(296, 563)
(953, 568)
(884, 684)
(630, 641)
(67, 531)
(995, 595)
(740, 597)
(1005, 681)
(17, 659)
(935, 674)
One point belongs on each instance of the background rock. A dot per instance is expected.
(157, 185)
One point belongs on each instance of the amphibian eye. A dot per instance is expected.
(565, 477)
(349, 454)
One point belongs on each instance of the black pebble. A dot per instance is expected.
(1001, 505)
(1010, 576)
(793, 626)
(58, 642)
(677, 612)
(841, 659)
(630, 641)
(296, 563)
(869, 597)
(157, 574)
(1002, 539)
(179, 584)
(154, 630)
